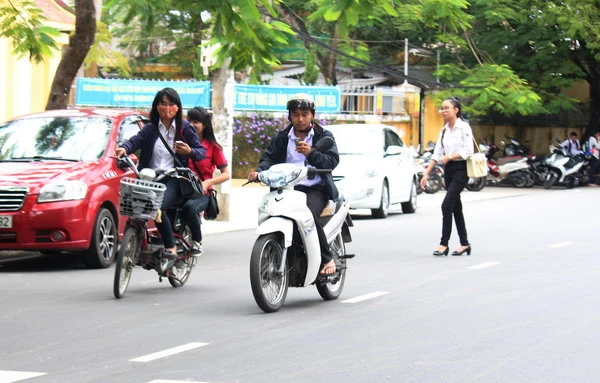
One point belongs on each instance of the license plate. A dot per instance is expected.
(5, 221)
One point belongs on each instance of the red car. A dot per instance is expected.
(59, 182)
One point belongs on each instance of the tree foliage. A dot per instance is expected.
(22, 22)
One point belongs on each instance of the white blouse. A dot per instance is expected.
(456, 141)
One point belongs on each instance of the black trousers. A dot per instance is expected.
(594, 165)
(456, 178)
(316, 200)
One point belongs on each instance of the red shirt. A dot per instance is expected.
(215, 158)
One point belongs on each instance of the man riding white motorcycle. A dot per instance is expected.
(294, 145)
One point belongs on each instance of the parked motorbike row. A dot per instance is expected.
(512, 164)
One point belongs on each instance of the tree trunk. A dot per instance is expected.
(222, 119)
(79, 45)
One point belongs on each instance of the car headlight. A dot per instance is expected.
(62, 191)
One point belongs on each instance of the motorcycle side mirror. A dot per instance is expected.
(324, 144)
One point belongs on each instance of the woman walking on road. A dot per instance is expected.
(453, 147)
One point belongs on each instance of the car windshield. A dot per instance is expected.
(357, 141)
(54, 138)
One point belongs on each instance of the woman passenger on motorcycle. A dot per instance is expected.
(205, 168)
(166, 120)
(294, 145)
(453, 147)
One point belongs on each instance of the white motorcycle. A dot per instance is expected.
(564, 169)
(287, 251)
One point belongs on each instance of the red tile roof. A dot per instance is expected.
(56, 11)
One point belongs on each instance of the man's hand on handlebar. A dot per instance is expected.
(120, 152)
(252, 177)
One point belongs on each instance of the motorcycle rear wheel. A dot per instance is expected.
(182, 267)
(477, 185)
(332, 290)
(269, 286)
(125, 261)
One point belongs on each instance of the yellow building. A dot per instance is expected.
(25, 85)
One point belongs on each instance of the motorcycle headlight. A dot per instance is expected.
(62, 191)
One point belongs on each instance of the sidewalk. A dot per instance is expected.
(243, 208)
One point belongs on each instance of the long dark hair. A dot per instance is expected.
(456, 103)
(173, 96)
(202, 115)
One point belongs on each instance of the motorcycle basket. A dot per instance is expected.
(141, 198)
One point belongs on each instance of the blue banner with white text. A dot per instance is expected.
(274, 98)
(138, 93)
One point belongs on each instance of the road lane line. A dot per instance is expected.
(174, 381)
(562, 244)
(168, 352)
(483, 265)
(366, 296)
(15, 376)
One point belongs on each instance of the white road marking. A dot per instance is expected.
(366, 296)
(562, 244)
(174, 381)
(15, 376)
(168, 352)
(483, 265)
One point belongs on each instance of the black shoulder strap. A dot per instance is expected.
(442, 140)
(169, 149)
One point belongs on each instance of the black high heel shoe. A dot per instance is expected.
(466, 250)
(439, 253)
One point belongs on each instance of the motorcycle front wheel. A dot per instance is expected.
(269, 284)
(331, 290)
(125, 261)
(551, 178)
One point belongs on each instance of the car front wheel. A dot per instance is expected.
(384, 206)
(103, 246)
(410, 206)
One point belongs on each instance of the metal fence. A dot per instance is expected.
(373, 100)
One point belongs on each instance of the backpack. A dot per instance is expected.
(586, 149)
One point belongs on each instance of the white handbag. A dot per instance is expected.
(477, 164)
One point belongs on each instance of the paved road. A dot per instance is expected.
(520, 309)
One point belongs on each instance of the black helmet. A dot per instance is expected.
(301, 101)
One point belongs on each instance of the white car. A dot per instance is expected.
(376, 169)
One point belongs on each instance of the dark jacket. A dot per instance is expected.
(276, 153)
(147, 137)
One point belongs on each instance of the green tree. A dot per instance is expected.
(22, 22)
(334, 22)
(512, 57)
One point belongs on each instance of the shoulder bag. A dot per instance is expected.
(477, 163)
(212, 209)
(190, 185)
